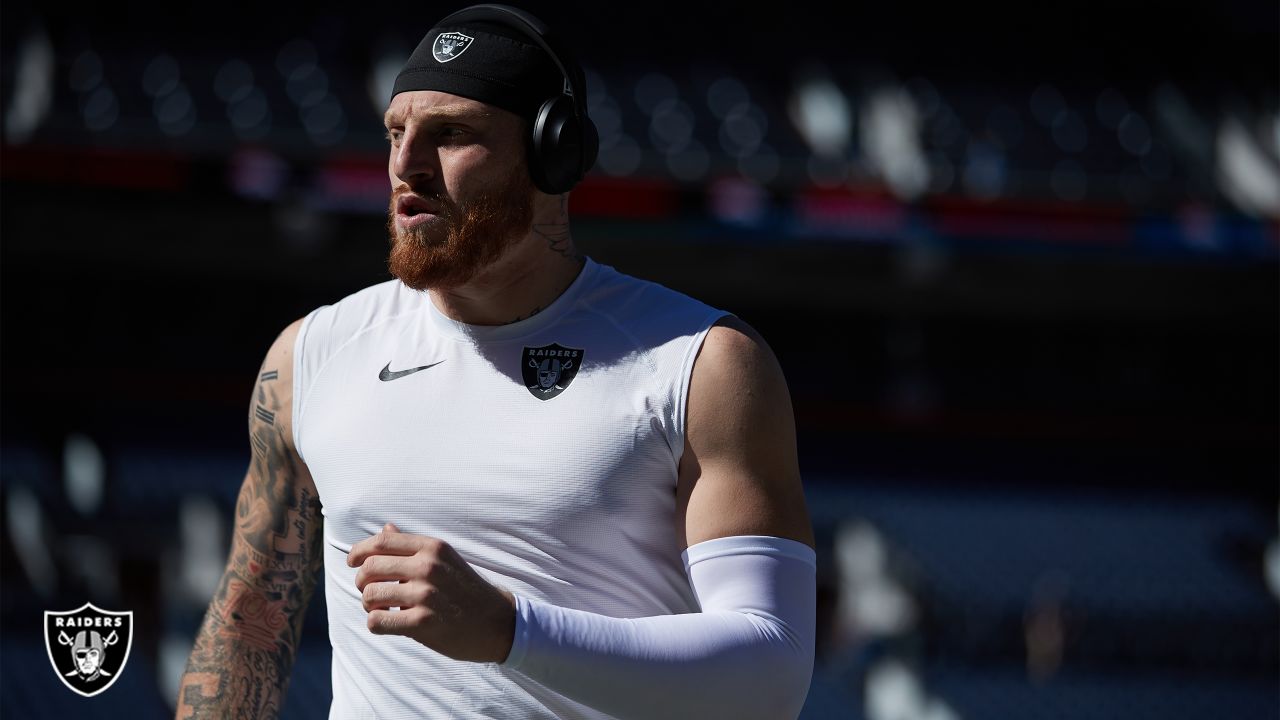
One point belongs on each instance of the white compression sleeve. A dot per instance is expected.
(748, 654)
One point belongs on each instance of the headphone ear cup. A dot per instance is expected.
(558, 146)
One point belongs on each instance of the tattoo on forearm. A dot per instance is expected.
(245, 649)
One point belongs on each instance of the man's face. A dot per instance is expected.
(548, 373)
(461, 192)
(87, 660)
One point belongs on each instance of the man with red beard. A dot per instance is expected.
(537, 487)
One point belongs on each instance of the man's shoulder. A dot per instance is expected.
(644, 305)
(333, 324)
(379, 296)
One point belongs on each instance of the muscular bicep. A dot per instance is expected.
(277, 522)
(739, 473)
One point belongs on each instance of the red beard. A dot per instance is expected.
(466, 236)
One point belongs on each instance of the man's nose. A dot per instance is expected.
(416, 159)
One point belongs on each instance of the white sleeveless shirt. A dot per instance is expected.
(544, 451)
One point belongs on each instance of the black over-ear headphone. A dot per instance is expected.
(565, 142)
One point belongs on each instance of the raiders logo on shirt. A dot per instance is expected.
(549, 369)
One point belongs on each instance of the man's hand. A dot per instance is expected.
(443, 603)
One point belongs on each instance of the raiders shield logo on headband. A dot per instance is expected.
(450, 45)
(88, 646)
(549, 369)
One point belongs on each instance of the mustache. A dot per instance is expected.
(447, 205)
(403, 190)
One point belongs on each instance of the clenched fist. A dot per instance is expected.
(444, 604)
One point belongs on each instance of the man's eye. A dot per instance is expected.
(450, 132)
(393, 136)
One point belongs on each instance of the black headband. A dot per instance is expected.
(482, 61)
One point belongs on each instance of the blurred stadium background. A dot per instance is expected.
(1020, 265)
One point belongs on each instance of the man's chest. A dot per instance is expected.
(469, 442)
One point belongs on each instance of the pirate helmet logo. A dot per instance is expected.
(88, 647)
(549, 369)
(448, 46)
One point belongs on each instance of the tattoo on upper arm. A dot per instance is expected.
(265, 415)
(245, 649)
(260, 447)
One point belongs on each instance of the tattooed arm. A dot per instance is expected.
(245, 649)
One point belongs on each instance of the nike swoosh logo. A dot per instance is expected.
(387, 374)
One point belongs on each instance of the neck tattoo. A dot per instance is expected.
(525, 317)
(557, 235)
(560, 241)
